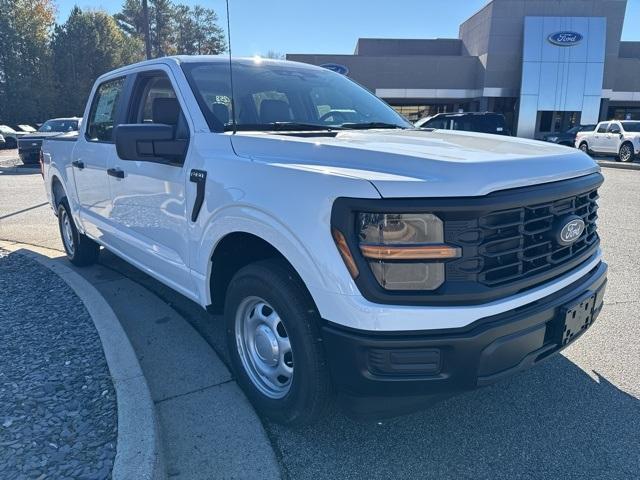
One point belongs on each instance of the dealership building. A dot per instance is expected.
(545, 64)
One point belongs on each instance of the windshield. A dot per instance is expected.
(6, 129)
(631, 126)
(59, 126)
(277, 96)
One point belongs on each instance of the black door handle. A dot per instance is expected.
(78, 164)
(115, 172)
(199, 177)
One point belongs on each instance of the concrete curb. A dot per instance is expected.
(621, 165)
(138, 449)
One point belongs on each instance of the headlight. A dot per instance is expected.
(552, 139)
(404, 250)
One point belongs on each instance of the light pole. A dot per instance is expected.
(145, 15)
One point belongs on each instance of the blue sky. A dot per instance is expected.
(333, 26)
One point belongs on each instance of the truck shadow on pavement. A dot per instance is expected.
(553, 421)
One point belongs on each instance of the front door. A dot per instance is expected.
(94, 155)
(149, 207)
(611, 141)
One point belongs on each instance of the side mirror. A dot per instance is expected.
(150, 143)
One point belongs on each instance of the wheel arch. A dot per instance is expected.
(57, 191)
(234, 251)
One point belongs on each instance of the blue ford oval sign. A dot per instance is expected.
(565, 39)
(335, 67)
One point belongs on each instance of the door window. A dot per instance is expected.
(102, 116)
(153, 88)
(613, 128)
(437, 123)
(602, 128)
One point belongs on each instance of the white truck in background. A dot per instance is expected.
(352, 255)
(616, 137)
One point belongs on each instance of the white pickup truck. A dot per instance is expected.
(358, 258)
(616, 137)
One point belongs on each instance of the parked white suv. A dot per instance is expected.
(621, 138)
(349, 253)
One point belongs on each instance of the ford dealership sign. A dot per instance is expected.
(565, 39)
(336, 67)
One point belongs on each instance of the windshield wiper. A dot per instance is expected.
(282, 126)
(370, 125)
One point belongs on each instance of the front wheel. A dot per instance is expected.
(274, 343)
(626, 153)
(80, 249)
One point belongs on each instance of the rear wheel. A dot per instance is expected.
(80, 249)
(585, 148)
(626, 153)
(274, 343)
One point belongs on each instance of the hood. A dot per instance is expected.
(421, 163)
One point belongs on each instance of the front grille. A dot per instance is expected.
(508, 239)
(508, 246)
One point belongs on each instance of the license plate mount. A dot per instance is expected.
(577, 317)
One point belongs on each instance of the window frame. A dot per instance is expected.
(136, 87)
(117, 114)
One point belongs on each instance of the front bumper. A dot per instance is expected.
(380, 374)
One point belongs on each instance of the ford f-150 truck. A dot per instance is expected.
(354, 257)
(620, 138)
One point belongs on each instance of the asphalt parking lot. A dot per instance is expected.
(575, 416)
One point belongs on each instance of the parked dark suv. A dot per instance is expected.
(485, 122)
(568, 138)
(29, 145)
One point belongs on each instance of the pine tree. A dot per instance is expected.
(87, 45)
(25, 60)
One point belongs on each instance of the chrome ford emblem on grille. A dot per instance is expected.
(569, 230)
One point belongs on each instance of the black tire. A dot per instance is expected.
(626, 153)
(585, 148)
(309, 392)
(10, 143)
(80, 249)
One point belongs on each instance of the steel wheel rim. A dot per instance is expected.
(625, 153)
(264, 347)
(67, 232)
(583, 147)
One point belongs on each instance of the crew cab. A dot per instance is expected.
(616, 137)
(352, 254)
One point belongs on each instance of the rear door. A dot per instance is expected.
(598, 139)
(94, 154)
(149, 209)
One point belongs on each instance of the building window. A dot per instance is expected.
(623, 113)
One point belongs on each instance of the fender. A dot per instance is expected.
(70, 193)
(248, 219)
